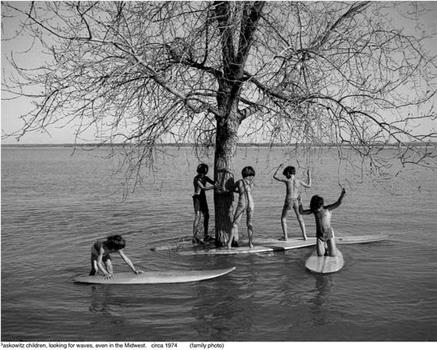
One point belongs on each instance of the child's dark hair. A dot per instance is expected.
(202, 168)
(115, 242)
(290, 170)
(316, 203)
(247, 171)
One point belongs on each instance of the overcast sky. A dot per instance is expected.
(11, 110)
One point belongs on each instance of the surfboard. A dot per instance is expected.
(226, 251)
(361, 239)
(324, 264)
(274, 244)
(185, 247)
(292, 243)
(178, 243)
(155, 277)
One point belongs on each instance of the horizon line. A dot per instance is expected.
(188, 144)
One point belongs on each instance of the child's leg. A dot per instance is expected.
(108, 264)
(94, 267)
(320, 247)
(197, 213)
(235, 223)
(196, 222)
(249, 214)
(205, 224)
(300, 221)
(332, 247)
(284, 221)
(234, 232)
(205, 212)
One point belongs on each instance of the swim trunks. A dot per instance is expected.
(324, 236)
(293, 203)
(241, 207)
(200, 203)
(95, 251)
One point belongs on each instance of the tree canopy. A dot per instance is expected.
(143, 73)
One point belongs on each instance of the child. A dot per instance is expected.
(322, 214)
(292, 191)
(245, 203)
(101, 260)
(199, 201)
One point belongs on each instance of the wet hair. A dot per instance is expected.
(247, 171)
(290, 170)
(316, 203)
(115, 242)
(202, 168)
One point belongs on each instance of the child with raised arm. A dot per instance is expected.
(245, 204)
(199, 202)
(101, 260)
(322, 214)
(292, 185)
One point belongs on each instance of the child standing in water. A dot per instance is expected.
(199, 201)
(322, 214)
(292, 186)
(245, 203)
(101, 260)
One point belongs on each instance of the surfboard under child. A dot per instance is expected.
(325, 264)
(262, 245)
(154, 277)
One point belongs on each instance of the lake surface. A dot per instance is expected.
(56, 203)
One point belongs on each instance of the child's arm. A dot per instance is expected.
(238, 187)
(303, 211)
(203, 187)
(211, 182)
(275, 175)
(339, 200)
(100, 264)
(308, 183)
(128, 262)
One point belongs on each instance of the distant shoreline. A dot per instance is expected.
(183, 145)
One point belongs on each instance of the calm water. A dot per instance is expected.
(55, 204)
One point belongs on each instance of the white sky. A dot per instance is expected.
(11, 110)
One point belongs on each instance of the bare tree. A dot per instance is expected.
(298, 73)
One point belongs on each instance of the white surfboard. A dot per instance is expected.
(154, 277)
(185, 247)
(361, 239)
(174, 243)
(325, 264)
(226, 251)
(292, 243)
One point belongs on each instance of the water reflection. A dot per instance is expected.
(225, 306)
(320, 301)
(99, 300)
(103, 304)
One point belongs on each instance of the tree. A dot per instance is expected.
(301, 73)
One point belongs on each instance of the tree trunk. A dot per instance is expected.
(226, 144)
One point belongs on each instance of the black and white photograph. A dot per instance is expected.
(218, 174)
